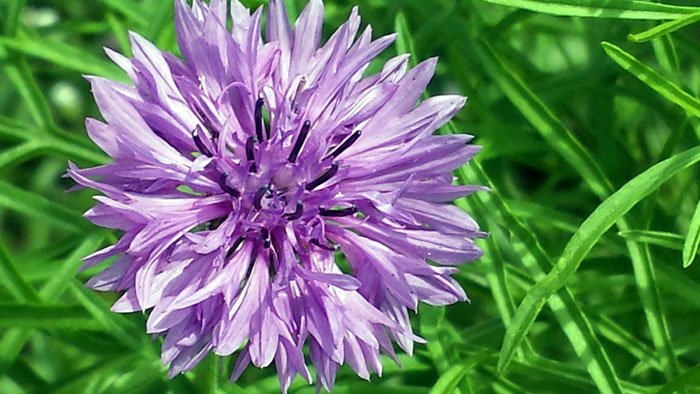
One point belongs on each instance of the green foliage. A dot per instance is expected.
(587, 111)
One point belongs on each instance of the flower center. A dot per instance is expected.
(267, 190)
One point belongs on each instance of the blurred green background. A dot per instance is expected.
(565, 122)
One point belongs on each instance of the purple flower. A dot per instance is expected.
(242, 172)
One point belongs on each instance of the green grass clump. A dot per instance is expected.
(588, 114)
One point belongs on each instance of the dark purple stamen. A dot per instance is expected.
(200, 143)
(225, 187)
(303, 133)
(324, 177)
(346, 144)
(257, 198)
(318, 243)
(259, 119)
(206, 122)
(336, 213)
(272, 267)
(265, 237)
(297, 212)
(250, 152)
(235, 246)
(250, 148)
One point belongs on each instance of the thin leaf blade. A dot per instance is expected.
(619, 9)
(653, 79)
(692, 240)
(583, 240)
(664, 28)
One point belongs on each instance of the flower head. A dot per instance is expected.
(243, 171)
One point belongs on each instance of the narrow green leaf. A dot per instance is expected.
(684, 379)
(566, 309)
(44, 316)
(78, 381)
(659, 238)
(11, 278)
(40, 208)
(621, 9)
(11, 345)
(667, 57)
(692, 240)
(15, 339)
(12, 19)
(496, 272)
(13, 129)
(448, 381)
(75, 152)
(161, 25)
(19, 73)
(583, 240)
(128, 8)
(672, 281)
(63, 274)
(546, 123)
(121, 33)
(609, 329)
(563, 141)
(64, 55)
(404, 42)
(664, 28)
(430, 320)
(117, 325)
(35, 145)
(533, 211)
(17, 153)
(655, 81)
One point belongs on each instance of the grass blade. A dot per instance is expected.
(621, 9)
(121, 33)
(13, 129)
(14, 13)
(44, 316)
(569, 315)
(687, 377)
(404, 42)
(128, 8)
(551, 128)
(652, 79)
(616, 334)
(583, 240)
(117, 325)
(448, 381)
(17, 153)
(61, 278)
(64, 55)
(692, 240)
(40, 208)
(664, 28)
(74, 151)
(11, 278)
(562, 140)
(659, 238)
(17, 70)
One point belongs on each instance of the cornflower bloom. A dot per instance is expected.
(271, 195)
